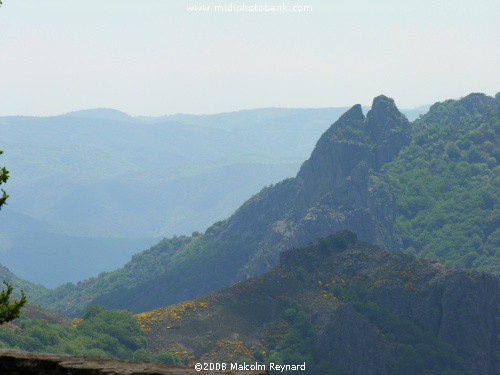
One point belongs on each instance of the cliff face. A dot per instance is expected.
(334, 189)
(372, 312)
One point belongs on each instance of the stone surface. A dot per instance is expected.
(14, 362)
(334, 189)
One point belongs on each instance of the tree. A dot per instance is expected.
(4, 176)
(9, 308)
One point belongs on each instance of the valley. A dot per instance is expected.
(321, 267)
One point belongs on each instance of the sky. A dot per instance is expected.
(153, 57)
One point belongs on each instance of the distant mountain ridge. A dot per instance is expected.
(100, 113)
(332, 191)
(75, 175)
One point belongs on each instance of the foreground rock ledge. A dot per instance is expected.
(14, 362)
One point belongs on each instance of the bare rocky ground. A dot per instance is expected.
(14, 362)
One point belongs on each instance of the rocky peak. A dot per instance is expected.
(383, 110)
(389, 130)
(341, 130)
(353, 145)
(352, 139)
(336, 191)
(353, 114)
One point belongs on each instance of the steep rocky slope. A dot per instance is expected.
(332, 191)
(343, 307)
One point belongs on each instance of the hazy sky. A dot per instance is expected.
(152, 57)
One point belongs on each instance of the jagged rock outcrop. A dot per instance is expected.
(335, 189)
(13, 362)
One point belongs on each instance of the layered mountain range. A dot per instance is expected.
(379, 176)
(332, 191)
(272, 284)
(73, 176)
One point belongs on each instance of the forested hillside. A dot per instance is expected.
(101, 333)
(447, 184)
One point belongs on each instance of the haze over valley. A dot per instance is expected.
(297, 188)
(91, 188)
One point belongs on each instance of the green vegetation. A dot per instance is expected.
(418, 350)
(101, 333)
(447, 184)
(4, 176)
(31, 290)
(9, 307)
(335, 243)
(298, 344)
(166, 264)
(228, 253)
(143, 266)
